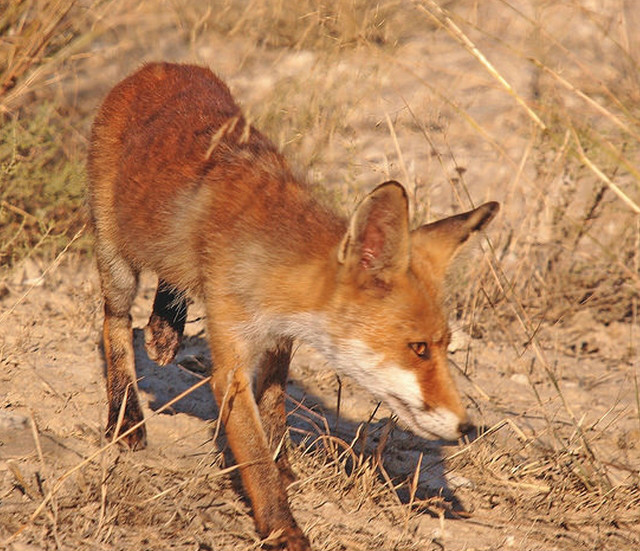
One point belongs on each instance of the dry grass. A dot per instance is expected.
(309, 24)
(533, 104)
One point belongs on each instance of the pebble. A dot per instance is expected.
(12, 421)
(520, 379)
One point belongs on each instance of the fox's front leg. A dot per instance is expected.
(271, 383)
(246, 437)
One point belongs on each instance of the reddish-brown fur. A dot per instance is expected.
(180, 184)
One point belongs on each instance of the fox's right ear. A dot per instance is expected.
(439, 241)
(377, 241)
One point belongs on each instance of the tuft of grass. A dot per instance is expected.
(35, 30)
(39, 36)
(41, 187)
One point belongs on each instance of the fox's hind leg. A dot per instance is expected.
(270, 396)
(119, 284)
(163, 333)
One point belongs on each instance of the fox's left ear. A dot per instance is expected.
(440, 240)
(376, 244)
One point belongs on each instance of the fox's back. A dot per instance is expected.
(173, 158)
(153, 133)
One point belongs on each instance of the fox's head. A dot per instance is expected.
(388, 329)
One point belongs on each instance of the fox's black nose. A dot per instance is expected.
(466, 427)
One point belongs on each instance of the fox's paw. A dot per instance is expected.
(288, 539)
(161, 340)
(136, 439)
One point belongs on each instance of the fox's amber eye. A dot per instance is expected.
(421, 349)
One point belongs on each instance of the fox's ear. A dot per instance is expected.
(377, 241)
(440, 240)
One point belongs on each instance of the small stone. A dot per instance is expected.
(12, 421)
(520, 379)
(459, 340)
(455, 481)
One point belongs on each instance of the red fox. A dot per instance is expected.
(181, 184)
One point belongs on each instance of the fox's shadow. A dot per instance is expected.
(400, 453)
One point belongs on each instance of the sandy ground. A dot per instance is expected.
(53, 412)
(556, 462)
